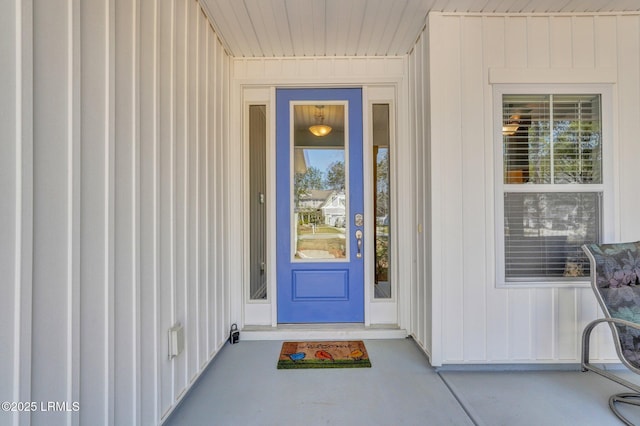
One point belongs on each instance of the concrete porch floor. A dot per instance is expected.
(242, 386)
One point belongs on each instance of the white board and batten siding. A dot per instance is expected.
(16, 207)
(115, 206)
(462, 317)
(422, 292)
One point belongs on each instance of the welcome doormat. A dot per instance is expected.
(331, 354)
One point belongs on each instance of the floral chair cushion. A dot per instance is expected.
(617, 280)
(617, 265)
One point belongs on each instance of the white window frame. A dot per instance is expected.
(606, 188)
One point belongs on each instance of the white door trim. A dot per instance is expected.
(378, 312)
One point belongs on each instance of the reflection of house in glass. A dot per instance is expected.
(313, 198)
(322, 206)
(333, 209)
(309, 204)
(320, 215)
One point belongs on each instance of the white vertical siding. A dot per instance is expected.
(53, 238)
(415, 98)
(473, 321)
(148, 267)
(112, 178)
(93, 172)
(16, 208)
(127, 212)
(472, 183)
(496, 322)
(10, 185)
(628, 44)
(446, 68)
(421, 290)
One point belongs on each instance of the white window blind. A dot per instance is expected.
(544, 232)
(552, 139)
(551, 184)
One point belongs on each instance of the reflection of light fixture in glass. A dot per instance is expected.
(510, 128)
(320, 129)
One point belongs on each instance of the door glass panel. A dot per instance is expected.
(382, 193)
(257, 202)
(320, 190)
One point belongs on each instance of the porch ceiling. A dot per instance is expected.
(282, 28)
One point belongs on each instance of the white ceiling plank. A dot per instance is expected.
(506, 6)
(518, 6)
(498, 6)
(339, 12)
(300, 16)
(627, 5)
(416, 18)
(608, 6)
(313, 28)
(589, 5)
(544, 6)
(249, 30)
(469, 5)
(413, 20)
(319, 27)
(261, 15)
(294, 25)
(306, 28)
(368, 26)
(394, 21)
(479, 6)
(354, 28)
(570, 6)
(444, 5)
(492, 6)
(242, 46)
(221, 24)
(281, 22)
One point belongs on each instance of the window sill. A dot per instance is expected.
(546, 284)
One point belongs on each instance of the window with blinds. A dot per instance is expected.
(551, 184)
(544, 232)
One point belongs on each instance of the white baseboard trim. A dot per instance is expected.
(321, 332)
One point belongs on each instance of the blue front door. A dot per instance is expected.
(319, 205)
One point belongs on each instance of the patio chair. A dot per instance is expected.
(615, 280)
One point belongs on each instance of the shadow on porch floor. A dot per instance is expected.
(243, 387)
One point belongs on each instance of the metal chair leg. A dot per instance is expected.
(624, 398)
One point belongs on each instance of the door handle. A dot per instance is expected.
(359, 243)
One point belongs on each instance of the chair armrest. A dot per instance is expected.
(586, 334)
(593, 323)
